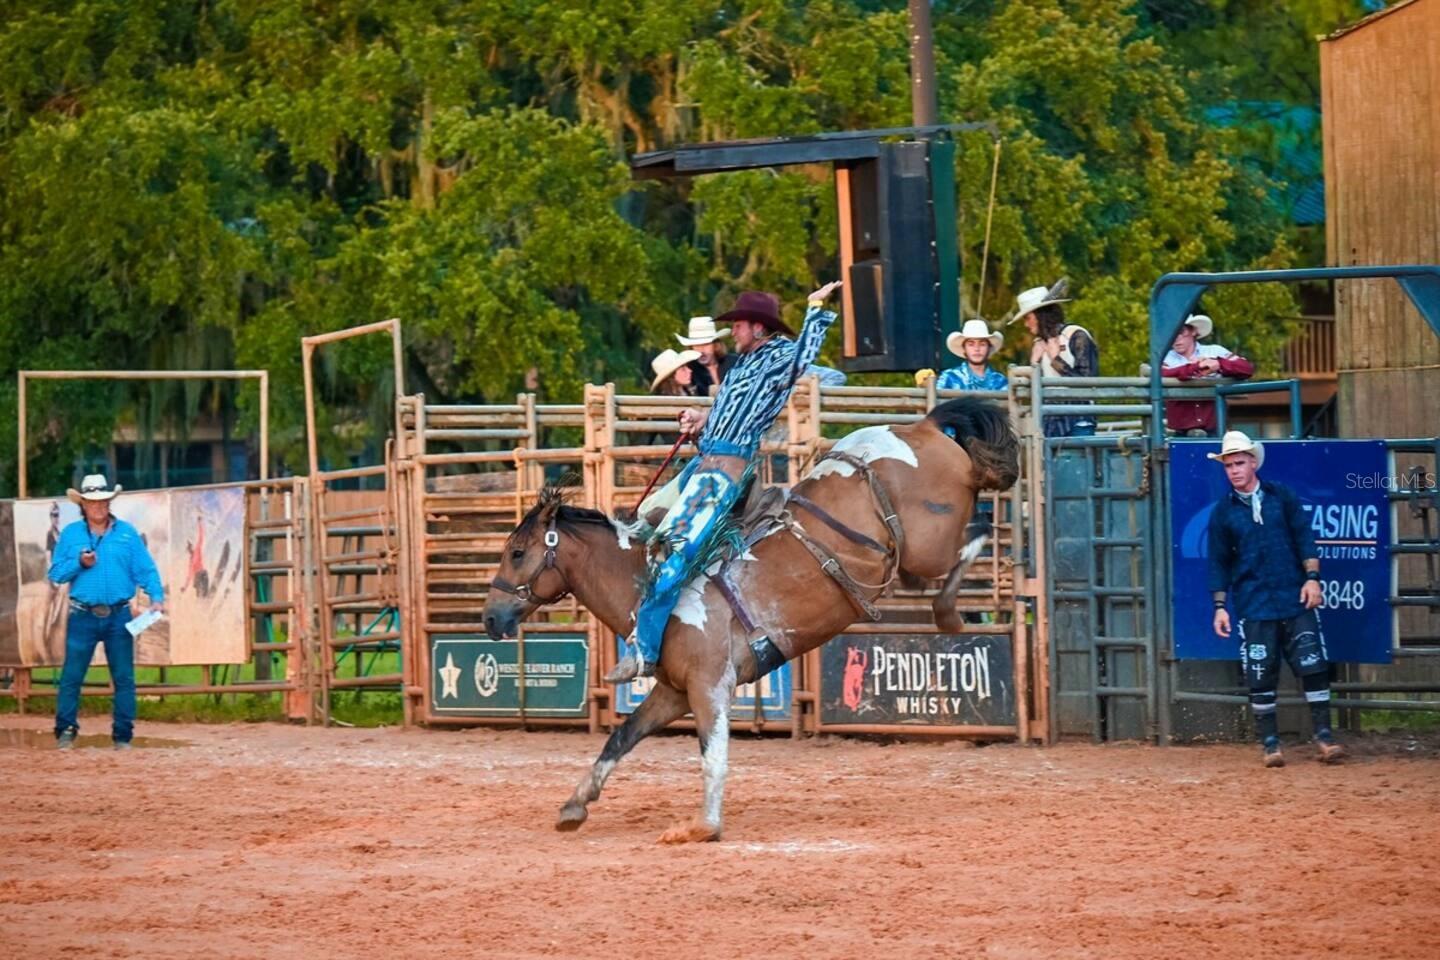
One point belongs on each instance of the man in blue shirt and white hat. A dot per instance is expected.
(1264, 563)
(104, 559)
(972, 343)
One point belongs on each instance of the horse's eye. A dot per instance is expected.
(517, 555)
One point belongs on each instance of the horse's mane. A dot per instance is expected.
(983, 429)
(566, 514)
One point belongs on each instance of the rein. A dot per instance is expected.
(668, 457)
(526, 591)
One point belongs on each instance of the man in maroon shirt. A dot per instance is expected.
(1189, 359)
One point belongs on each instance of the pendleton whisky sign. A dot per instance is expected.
(934, 680)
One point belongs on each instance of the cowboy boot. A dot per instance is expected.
(1329, 750)
(630, 667)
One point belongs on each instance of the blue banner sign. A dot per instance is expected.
(774, 692)
(1342, 485)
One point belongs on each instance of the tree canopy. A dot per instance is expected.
(201, 183)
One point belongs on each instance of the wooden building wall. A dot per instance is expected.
(1380, 101)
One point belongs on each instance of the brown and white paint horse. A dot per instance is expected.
(931, 470)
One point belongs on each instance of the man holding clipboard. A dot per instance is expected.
(103, 559)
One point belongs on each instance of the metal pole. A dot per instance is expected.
(922, 66)
(21, 458)
(264, 425)
(307, 354)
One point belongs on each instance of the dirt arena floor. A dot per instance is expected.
(274, 841)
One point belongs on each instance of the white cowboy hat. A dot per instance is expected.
(668, 362)
(1235, 441)
(1202, 324)
(702, 330)
(93, 487)
(976, 329)
(1036, 297)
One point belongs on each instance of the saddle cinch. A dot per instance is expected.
(768, 509)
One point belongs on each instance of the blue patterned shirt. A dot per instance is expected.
(963, 378)
(756, 389)
(1261, 565)
(121, 563)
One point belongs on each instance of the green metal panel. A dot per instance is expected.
(475, 677)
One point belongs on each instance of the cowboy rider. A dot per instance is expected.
(752, 394)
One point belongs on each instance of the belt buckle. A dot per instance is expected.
(101, 609)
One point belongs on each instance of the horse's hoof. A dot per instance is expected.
(694, 832)
(571, 816)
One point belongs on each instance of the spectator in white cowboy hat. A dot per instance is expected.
(104, 559)
(973, 343)
(1060, 350)
(1264, 563)
(1189, 359)
(674, 375)
(713, 361)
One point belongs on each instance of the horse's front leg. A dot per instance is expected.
(710, 705)
(662, 705)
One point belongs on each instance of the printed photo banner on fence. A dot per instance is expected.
(1342, 485)
(937, 680)
(197, 538)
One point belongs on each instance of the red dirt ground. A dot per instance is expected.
(274, 841)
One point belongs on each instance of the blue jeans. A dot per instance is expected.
(83, 633)
(706, 497)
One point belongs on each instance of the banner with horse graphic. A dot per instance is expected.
(936, 680)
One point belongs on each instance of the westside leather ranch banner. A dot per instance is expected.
(928, 680)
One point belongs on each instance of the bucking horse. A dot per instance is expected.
(884, 500)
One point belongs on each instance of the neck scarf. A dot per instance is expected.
(1253, 499)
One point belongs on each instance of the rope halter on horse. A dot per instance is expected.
(525, 592)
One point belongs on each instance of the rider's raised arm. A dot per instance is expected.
(818, 322)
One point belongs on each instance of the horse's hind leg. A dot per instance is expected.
(710, 706)
(662, 705)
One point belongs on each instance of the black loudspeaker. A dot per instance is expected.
(892, 309)
(866, 312)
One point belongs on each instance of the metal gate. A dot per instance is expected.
(1100, 590)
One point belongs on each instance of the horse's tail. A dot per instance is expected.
(983, 428)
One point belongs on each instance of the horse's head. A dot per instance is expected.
(529, 575)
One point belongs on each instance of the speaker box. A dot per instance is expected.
(892, 310)
(866, 314)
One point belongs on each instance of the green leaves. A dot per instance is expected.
(187, 183)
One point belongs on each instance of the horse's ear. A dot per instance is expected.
(550, 502)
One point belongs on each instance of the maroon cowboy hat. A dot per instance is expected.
(757, 307)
